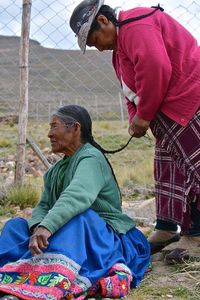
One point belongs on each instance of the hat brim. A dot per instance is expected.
(85, 28)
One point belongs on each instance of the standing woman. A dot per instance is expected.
(157, 62)
(78, 243)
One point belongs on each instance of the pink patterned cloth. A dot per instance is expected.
(57, 278)
(115, 285)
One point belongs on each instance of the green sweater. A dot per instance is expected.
(88, 183)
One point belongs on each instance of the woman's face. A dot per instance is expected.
(104, 38)
(64, 138)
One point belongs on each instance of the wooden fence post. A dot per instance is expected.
(23, 105)
(39, 153)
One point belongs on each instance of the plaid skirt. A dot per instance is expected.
(176, 169)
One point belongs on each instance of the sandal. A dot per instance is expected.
(159, 239)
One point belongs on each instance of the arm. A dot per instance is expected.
(146, 51)
(131, 110)
(87, 182)
(137, 126)
(78, 196)
(145, 48)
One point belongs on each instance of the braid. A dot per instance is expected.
(76, 113)
(103, 151)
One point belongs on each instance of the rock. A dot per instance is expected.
(10, 164)
(25, 213)
(143, 211)
(10, 119)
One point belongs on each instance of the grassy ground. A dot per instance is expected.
(169, 282)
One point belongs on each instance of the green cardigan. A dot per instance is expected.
(88, 183)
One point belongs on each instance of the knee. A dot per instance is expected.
(15, 223)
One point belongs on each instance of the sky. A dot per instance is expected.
(50, 18)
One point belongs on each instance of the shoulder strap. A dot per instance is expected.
(158, 7)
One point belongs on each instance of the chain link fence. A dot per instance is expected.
(58, 73)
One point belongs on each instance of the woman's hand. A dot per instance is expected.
(39, 240)
(138, 127)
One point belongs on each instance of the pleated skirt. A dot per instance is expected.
(85, 258)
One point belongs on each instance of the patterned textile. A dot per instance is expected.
(84, 255)
(43, 277)
(176, 169)
(56, 277)
(116, 285)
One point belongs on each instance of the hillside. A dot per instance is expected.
(56, 77)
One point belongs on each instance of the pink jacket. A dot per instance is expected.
(158, 64)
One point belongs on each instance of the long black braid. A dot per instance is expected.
(75, 113)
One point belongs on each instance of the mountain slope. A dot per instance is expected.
(57, 77)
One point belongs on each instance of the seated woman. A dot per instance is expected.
(78, 242)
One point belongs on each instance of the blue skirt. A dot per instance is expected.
(86, 247)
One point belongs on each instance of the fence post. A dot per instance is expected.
(23, 104)
(39, 153)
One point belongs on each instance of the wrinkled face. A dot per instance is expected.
(64, 138)
(104, 38)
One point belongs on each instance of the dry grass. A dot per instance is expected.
(24, 196)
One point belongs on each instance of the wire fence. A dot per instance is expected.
(58, 72)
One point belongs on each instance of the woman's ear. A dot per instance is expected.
(77, 127)
(102, 20)
(77, 131)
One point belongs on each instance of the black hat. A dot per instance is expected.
(82, 18)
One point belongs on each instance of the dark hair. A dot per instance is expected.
(106, 11)
(110, 14)
(75, 113)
